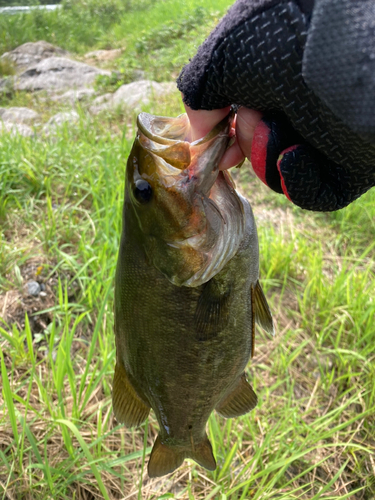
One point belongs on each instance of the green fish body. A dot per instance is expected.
(187, 294)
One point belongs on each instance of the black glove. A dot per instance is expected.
(266, 55)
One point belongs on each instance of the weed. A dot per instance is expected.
(6, 67)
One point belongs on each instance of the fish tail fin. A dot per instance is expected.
(165, 459)
(202, 454)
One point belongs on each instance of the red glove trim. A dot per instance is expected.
(258, 155)
(283, 186)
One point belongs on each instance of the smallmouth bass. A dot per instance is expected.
(187, 293)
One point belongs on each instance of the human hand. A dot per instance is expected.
(246, 120)
(256, 58)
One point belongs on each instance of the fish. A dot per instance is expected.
(187, 291)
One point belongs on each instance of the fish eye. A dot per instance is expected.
(142, 191)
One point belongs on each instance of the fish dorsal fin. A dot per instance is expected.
(212, 312)
(262, 313)
(164, 459)
(128, 408)
(238, 402)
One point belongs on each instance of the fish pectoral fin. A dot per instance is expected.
(128, 407)
(164, 459)
(202, 454)
(238, 402)
(262, 313)
(212, 312)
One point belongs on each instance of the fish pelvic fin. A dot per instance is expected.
(128, 407)
(262, 313)
(165, 458)
(238, 402)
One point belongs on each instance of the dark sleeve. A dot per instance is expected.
(202, 68)
(339, 61)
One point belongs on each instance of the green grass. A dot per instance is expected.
(312, 435)
(83, 24)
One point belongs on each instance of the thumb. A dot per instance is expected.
(246, 123)
(202, 121)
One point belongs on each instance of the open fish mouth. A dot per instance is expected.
(202, 214)
(165, 130)
(169, 139)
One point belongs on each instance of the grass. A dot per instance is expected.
(83, 24)
(312, 435)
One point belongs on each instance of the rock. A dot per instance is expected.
(32, 53)
(58, 73)
(63, 117)
(100, 102)
(59, 119)
(16, 129)
(73, 96)
(132, 95)
(18, 115)
(103, 55)
(33, 288)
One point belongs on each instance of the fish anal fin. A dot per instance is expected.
(203, 455)
(164, 459)
(128, 407)
(212, 312)
(262, 313)
(238, 402)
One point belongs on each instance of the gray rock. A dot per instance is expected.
(32, 53)
(58, 73)
(59, 119)
(16, 129)
(33, 288)
(100, 103)
(132, 95)
(18, 115)
(73, 96)
(103, 55)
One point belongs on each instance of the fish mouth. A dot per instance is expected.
(169, 139)
(166, 131)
